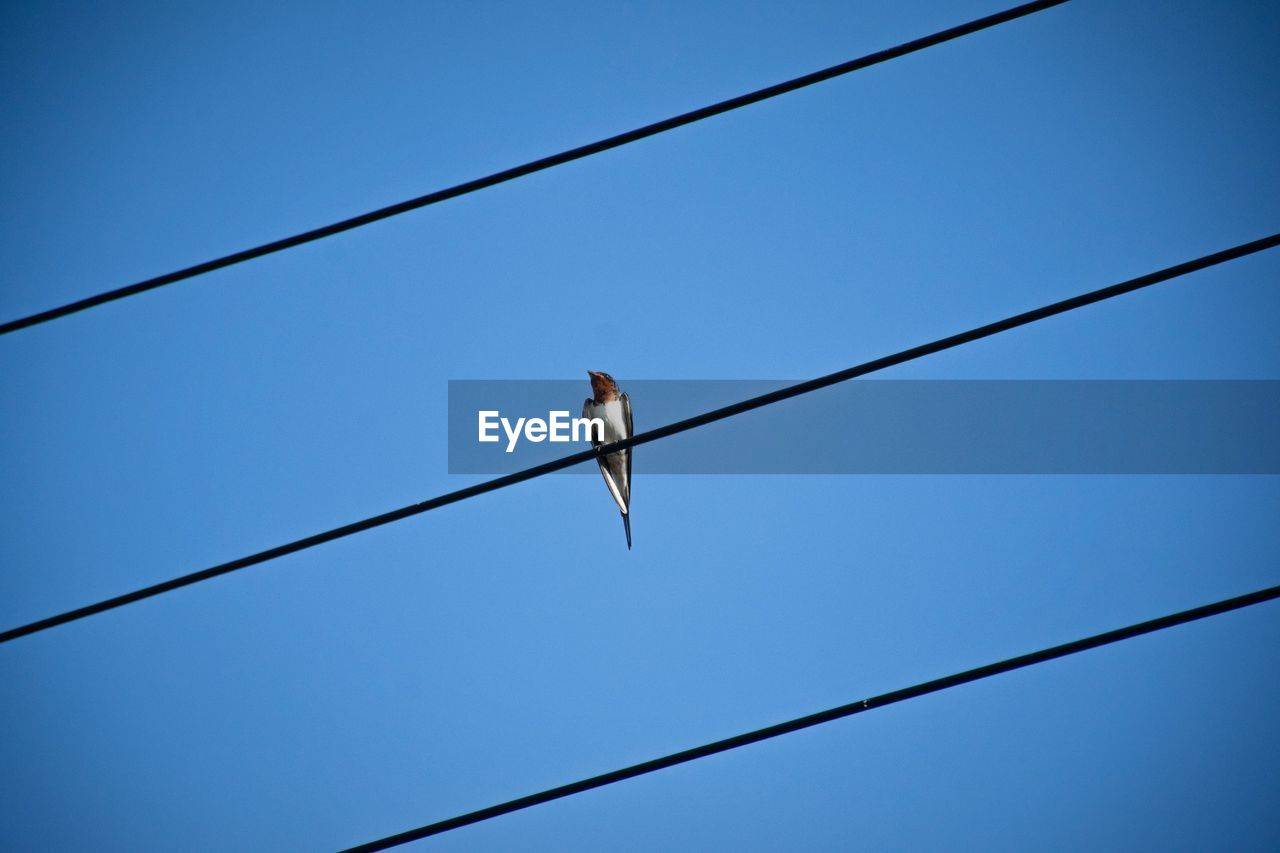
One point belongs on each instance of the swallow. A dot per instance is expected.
(614, 408)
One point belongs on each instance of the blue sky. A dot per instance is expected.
(511, 643)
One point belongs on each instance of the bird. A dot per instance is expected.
(613, 407)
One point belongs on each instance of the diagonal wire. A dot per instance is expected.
(826, 716)
(534, 165)
(653, 434)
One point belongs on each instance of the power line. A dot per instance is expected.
(533, 166)
(652, 435)
(840, 712)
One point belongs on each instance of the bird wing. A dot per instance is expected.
(631, 430)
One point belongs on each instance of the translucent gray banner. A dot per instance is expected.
(890, 427)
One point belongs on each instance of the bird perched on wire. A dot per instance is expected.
(613, 408)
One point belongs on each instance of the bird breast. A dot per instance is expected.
(615, 426)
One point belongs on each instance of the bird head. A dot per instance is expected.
(602, 386)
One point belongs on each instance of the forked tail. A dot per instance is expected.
(626, 522)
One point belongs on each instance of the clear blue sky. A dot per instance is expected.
(511, 643)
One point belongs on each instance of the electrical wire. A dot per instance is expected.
(837, 713)
(651, 435)
(532, 166)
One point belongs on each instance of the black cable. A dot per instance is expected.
(533, 166)
(827, 716)
(651, 435)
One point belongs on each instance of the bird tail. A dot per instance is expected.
(626, 522)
